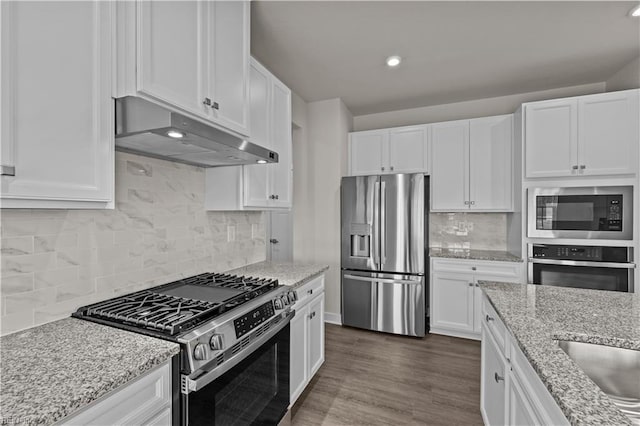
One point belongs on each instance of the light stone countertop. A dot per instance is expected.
(291, 274)
(50, 371)
(536, 315)
(469, 254)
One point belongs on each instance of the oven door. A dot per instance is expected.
(255, 391)
(579, 274)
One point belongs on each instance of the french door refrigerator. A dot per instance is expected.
(384, 252)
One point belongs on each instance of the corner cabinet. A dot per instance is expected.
(456, 297)
(307, 336)
(145, 400)
(259, 186)
(472, 165)
(187, 55)
(582, 136)
(386, 151)
(510, 390)
(57, 114)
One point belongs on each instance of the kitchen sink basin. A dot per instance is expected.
(615, 370)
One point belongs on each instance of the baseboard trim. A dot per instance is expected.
(333, 318)
(454, 333)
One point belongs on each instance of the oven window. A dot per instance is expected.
(256, 391)
(612, 279)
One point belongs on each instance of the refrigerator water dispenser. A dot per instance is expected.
(360, 240)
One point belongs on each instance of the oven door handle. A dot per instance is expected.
(189, 385)
(584, 263)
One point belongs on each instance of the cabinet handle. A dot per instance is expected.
(582, 167)
(473, 268)
(470, 284)
(382, 168)
(215, 105)
(207, 101)
(473, 203)
(477, 285)
(391, 168)
(7, 171)
(466, 203)
(488, 318)
(274, 241)
(312, 315)
(509, 360)
(310, 291)
(575, 167)
(498, 378)
(277, 197)
(272, 197)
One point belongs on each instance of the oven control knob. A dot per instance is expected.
(285, 300)
(215, 343)
(292, 296)
(277, 303)
(200, 352)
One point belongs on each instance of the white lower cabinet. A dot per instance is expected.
(456, 296)
(144, 401)
(511, 392)
(307, 336)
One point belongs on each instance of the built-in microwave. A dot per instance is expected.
(595, 212)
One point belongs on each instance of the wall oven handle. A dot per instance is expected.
(189, 385)
(584, 263)
(383, 280)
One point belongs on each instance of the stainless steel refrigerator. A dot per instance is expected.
(384, 252)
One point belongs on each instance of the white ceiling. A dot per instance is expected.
(452, 51)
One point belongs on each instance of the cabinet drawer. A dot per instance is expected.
(310, 289)
(494, 325)
(510, 270)
(144, 401)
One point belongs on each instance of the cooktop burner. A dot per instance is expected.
(179, 306)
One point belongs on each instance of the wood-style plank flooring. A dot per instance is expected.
(381, 379)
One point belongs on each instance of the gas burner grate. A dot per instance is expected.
(154, 310)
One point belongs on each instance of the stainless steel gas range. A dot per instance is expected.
(233, 366)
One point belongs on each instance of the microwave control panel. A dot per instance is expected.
(614, 213)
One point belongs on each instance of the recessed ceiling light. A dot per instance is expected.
(261, 161)
(175, 134)
(394, 61)
(635, 12)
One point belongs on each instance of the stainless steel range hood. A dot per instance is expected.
(144, 128)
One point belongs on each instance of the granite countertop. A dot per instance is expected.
(291, 274)
(50, 371)
(469, 254)
(537, 315)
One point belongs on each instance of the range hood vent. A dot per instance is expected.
(144, 128)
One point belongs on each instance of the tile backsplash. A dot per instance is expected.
(54, 261)
(479, 231)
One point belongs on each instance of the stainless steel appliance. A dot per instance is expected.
(233, 367)
(384, 252)
(602, 212)
(146, 128)
(593, 267)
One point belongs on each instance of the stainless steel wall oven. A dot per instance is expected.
(604, 212)
(591, 267)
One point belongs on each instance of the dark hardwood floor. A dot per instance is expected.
(381, 379)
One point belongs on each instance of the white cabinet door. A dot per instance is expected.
(452, 305)
(490, 164)
(520, 411)
(608, 133)
(450, 165)
(229, 64)
(408, 151)
(551, 138)
(57, 111)
(316, 334)
(281, 172)
(171, 53)
(366, 155)
(299, 353)
(492, 382)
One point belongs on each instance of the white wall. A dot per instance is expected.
(468, 109)
(319, 164)
(628, 77)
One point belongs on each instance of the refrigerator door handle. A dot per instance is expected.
(375, 229)
(383, 224)
(383, 280)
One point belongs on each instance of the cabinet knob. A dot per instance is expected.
(498, 378)
(575, 167)
(272, 197)
(277, 197)
(473, 203)
(391, 168)
(582, 167)
(470, 284)
(382, 168)
(473, 268)
(488, 318)
(207, 101)
(274, 241)
(466, 203)
(477, 285)
(215, 105)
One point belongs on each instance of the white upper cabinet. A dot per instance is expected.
(56, 121)
(586, 135)
(450, 166)
(192, 56)
(259, 186)
(472, 164)
(385, 151)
